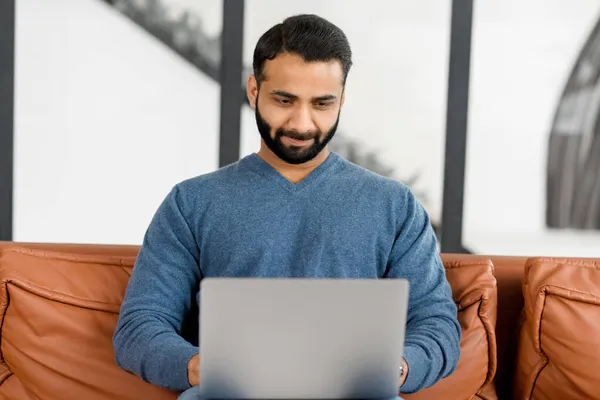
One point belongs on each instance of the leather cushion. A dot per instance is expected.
(508, 271)
(559, 356)
(59, 310)
(474, 291)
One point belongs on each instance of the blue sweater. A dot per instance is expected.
(247, 220)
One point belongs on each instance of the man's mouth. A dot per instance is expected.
(296, 142)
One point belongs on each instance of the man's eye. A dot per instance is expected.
(283, 101)
(322, 104)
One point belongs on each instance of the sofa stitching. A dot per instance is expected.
(533, 261)
(542, 355)
(77, 258)
(4, 290)
(63, 298)
(6, 374)
(466, 263)
(471, 263)
(491, 338)
(575, 262)
(549, 290)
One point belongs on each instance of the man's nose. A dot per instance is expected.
(301, 120)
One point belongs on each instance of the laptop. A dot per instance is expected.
(275, 338)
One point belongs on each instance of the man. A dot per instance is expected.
(294, 209)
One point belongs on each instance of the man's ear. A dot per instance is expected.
(252, 90)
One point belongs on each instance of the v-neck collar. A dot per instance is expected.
(265, 169)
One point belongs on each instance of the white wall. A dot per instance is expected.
(522, 55)
(523, 52)
(107, 120)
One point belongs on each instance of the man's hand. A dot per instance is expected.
(403, 377)
(194, 370)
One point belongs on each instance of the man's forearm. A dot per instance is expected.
(432, 341)
(148, 339)
(158, 358)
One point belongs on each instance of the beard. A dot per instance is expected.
(294, 154)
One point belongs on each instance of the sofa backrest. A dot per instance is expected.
(46, 296)
(59, 306)
(559, 355)
(474, 292)
(508, 271)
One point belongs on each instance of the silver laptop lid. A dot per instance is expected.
(301, 338)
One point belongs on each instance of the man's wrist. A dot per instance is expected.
(403, 372)
(193, 368)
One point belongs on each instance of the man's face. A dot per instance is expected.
(297, 106)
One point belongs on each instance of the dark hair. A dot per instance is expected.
(311, 37)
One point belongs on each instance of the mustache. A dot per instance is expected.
(297, 135)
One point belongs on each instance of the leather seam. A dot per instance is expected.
(541, 354)
(474, 263)
(549, 291)
(538, 261)
(70, 300)
(55, 255)
(491, 338)
(4, 289)
(7, 374)
(579, 262)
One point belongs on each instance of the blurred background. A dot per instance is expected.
(116, 101)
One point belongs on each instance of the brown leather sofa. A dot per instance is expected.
(531, 327)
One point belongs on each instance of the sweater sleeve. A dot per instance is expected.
(159, 295)
(432, 342)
